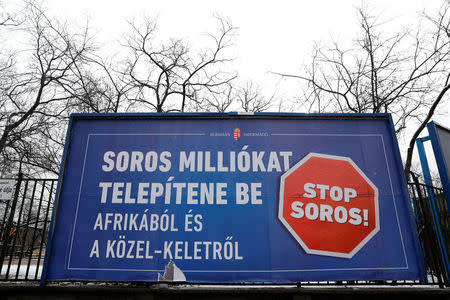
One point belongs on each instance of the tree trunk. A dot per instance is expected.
(412, 142)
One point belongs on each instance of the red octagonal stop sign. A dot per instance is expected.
(329, 205)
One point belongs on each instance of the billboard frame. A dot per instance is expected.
(434, 138)
(235, 115)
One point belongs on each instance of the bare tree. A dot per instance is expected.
(251, 98)
(7, 18)
(166, 76)
(60, 72)
(246, 98)
(405, 74)
(98, 86)
(221, 102)
(31, 93)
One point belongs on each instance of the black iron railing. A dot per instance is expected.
(24, 229)
(25, 221)
(433, 227)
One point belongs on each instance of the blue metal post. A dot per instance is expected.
(437, 224)
(423, 160)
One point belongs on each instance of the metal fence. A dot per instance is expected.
(433, 227)
(25, 221)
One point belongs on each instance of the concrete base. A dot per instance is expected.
(158, 292)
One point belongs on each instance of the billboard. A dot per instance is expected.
(228, 198)
(440, 139)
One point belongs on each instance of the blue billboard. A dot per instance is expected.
(228, 198)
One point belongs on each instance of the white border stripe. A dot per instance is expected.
(239, 271)
(82, 177)
(78, 201)
(184, 134)
(395, 206)
(324, 134)
(244, 271)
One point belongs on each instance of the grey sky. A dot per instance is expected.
(273, 35)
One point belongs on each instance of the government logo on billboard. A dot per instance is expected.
(237, 134)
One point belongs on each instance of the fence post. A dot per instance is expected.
(7, 229)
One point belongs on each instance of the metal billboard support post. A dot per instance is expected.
(423, 159)
(434, 212)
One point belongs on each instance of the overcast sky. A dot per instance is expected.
(273, 35)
